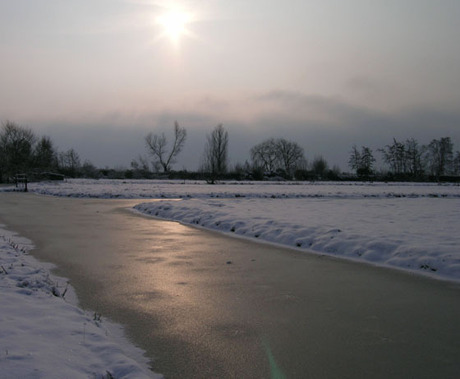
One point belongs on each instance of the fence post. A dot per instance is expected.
(21, 180)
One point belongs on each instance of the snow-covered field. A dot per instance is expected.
(158, 189)
(44, 335)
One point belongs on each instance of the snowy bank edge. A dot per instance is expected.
(111, 349)
(166, 211)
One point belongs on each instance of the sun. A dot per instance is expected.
(174, 24)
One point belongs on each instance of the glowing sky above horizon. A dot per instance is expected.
(326, 73)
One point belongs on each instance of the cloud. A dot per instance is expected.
(362, 84)
(334, 112)
(321, 125)
(331, 111)
(330, 125)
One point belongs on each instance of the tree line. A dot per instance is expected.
(408, 160)
(214, 163)
(21, 151)
(281, 158)
(273, 157)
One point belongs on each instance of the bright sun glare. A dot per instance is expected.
(174, 24)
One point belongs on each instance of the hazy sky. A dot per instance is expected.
(98, 75)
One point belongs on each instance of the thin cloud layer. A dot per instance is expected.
(326, 126)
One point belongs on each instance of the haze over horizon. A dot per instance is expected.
(99, 75)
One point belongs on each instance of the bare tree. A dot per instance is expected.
(215, 159)
(367, 161)
(265, 155)
(456, 163)
(354, 162)
(404, 158)
(140, 168)
(414, 158)
(88, 170)
(16, 149)
(439, 156)
(140, 164)
(319, 166)
(45, 155)
(290, 155)
(361, 161)
(69, 162)
(395, 156)
(157, 145)
(274, 155)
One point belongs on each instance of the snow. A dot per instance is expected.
(44, 335)
(159, 189)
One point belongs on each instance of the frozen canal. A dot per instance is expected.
(205, 305)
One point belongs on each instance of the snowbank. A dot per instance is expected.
(391, 232)
(43, 335)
